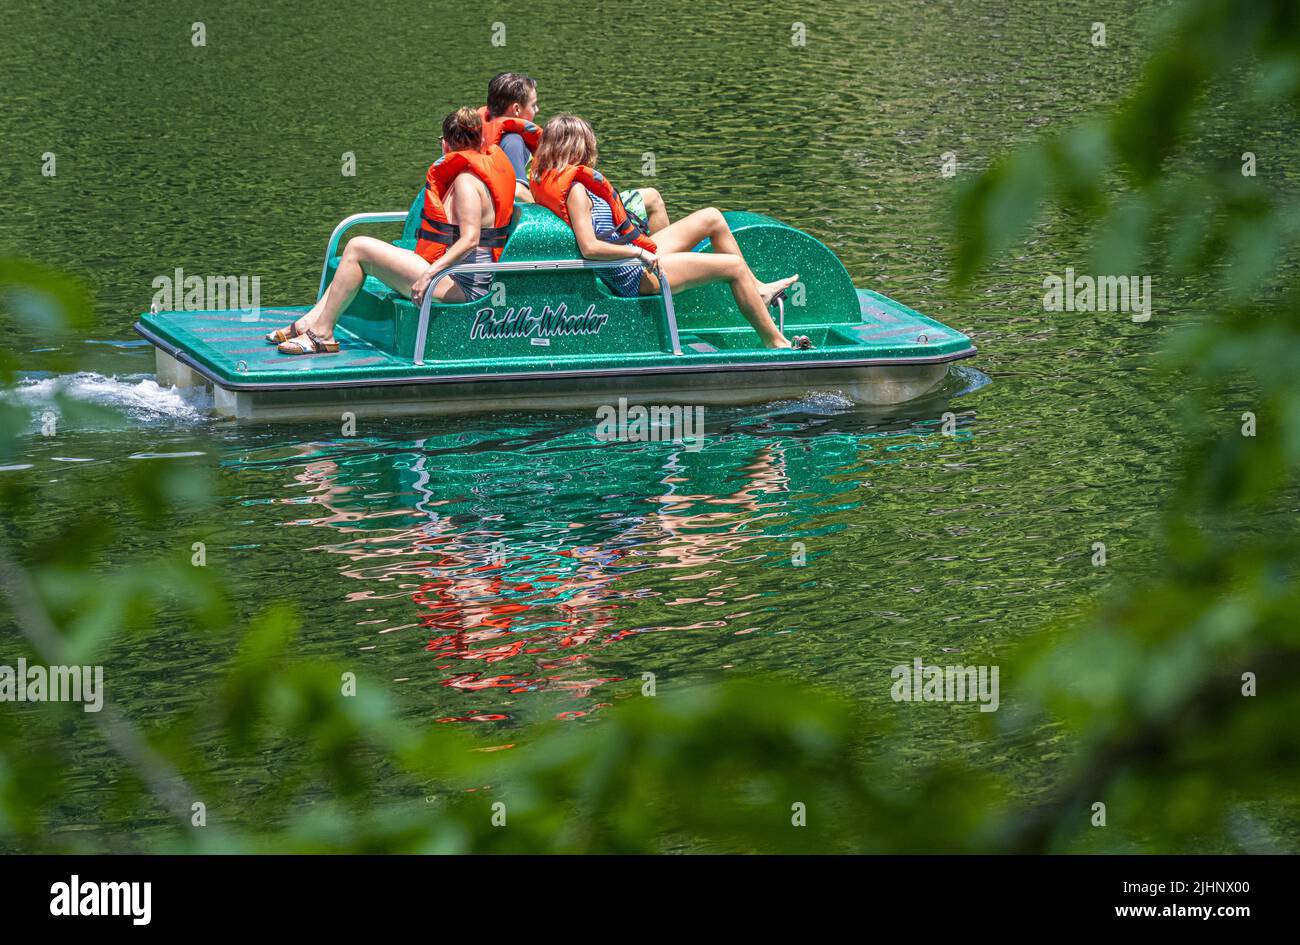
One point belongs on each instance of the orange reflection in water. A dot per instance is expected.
(511, 615)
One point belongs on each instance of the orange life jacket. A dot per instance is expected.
(551, 190)
(493, 168)
(495, 128)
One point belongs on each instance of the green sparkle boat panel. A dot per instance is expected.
(562, 322)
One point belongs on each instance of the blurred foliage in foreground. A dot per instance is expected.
(1148, 696)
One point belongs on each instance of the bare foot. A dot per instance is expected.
(768, 290)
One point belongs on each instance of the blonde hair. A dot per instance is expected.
(463, 129)
(566, 140)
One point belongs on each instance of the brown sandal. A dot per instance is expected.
(313, 345)
(281, 335)
(801, 343)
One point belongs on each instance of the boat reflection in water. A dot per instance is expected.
(533, 559)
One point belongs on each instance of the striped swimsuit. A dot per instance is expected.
(475, 285)
(625, 280)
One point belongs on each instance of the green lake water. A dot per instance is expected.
(569, 566)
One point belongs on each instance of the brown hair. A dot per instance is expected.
(566, 140)
(506, 89)
(463, 129)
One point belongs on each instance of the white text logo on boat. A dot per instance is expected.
(181, 293)
(1098, 294)
(921, 683)
(549, 323)
(653, 424)
(53, 684)
(98, 899)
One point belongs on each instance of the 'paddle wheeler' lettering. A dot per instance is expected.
(522, 322)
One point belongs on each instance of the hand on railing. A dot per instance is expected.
(421, 286)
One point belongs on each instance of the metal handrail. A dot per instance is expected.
(390, 216)
(542, 265)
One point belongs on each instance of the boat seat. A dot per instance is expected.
(535, 233)
(386, 319)
(380, 292)
(825, 295)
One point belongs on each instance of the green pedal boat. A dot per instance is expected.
(551, 336)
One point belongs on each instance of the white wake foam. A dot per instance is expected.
(138, 396)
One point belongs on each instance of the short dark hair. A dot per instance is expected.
(506, 89)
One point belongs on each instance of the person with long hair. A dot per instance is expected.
(565, 180)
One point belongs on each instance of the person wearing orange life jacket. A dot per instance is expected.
(509, 122)
(468, 204)
(495, 130)
(565, 181)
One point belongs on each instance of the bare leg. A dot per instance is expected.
(397, 268)
(656, 212)
(685, 270)
(710, 224)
